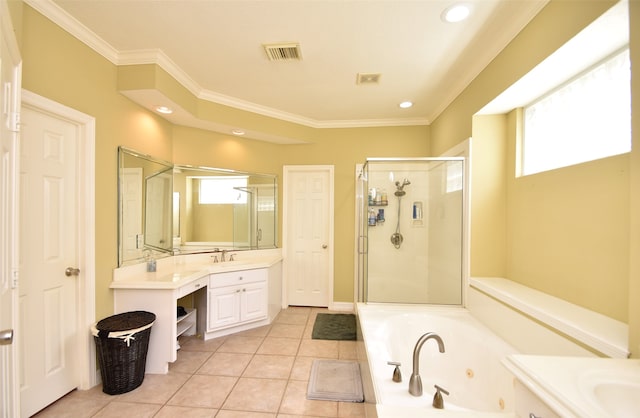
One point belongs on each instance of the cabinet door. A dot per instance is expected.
(254, 301)
(224, 307)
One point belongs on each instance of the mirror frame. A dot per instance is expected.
(252, 243)
(166, 246)
(164, 243)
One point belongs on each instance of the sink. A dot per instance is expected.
(174, 277)
(615, 392)
(234, 263)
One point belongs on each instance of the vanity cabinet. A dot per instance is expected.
(236, 298)
(227, 298)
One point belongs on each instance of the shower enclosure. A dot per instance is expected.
(410, 230)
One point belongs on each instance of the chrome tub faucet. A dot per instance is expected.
(415, 382)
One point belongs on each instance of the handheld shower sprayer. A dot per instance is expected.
(396, 237)
(400, 187)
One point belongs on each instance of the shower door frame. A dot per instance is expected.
(461, 152)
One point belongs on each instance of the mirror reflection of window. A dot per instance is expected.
(222, 190)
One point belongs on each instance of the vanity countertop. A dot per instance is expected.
(581, 386)
(175, 272)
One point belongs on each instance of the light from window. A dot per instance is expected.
(222, 190)
(454, 176)
(584, 120)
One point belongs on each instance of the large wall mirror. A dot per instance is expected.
(185, 209)
(224, 209)
(145, 186)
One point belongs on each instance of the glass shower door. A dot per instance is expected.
(410, 230)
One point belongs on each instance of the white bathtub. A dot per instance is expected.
(470, 369)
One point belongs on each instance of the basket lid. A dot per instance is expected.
(126, 321)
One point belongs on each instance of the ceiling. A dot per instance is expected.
(215, 49)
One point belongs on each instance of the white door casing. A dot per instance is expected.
(10, 79)
(58, 198)
(308, 235)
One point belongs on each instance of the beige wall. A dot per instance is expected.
(59, 67)
(343, 148)
(489, 196)
(567, 231)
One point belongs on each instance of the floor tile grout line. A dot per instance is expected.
(310, 316)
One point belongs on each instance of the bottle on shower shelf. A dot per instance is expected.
(372, 217)
(383, 197)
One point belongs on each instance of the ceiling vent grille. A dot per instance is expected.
(368, 78)
(283, 52)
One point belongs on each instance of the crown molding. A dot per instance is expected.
(59, 16)
(67, 22)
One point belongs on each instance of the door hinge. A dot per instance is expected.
(14, 279)
(14, 121)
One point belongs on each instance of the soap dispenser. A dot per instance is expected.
(151, 262)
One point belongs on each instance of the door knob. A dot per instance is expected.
(6, 337)
(324, 246)
(70, 271)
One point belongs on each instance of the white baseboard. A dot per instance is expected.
(341, 306)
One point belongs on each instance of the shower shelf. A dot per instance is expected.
(378, 204)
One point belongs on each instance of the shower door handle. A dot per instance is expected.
(363, 246)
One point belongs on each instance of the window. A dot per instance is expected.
(222, 190)
(586, 119)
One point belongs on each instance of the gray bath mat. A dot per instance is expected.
(335, 380)
(334, 327)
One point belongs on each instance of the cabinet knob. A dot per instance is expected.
(240, 278)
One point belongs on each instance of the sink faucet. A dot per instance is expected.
(223, 256)
(415, 382)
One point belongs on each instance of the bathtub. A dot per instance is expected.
(470, 369)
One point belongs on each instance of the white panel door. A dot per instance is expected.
(131, 192)
(158, 221)
(9, 106)
(49, 233)
(309, 223)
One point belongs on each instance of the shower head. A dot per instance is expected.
(400, 187)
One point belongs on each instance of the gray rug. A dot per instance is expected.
(335, 380)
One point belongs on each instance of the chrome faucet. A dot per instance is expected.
(223, 256)
(415, 382)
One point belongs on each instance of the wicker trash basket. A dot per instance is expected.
(122, 341)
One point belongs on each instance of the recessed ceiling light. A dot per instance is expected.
(406, 105)
(456, 13)
(164, 109)
(237, 132)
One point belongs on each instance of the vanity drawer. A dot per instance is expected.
(237, 277)
(193, 286)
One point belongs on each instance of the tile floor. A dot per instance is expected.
(261, 373)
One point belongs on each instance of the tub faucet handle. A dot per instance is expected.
(438, 402)
(397, 376)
